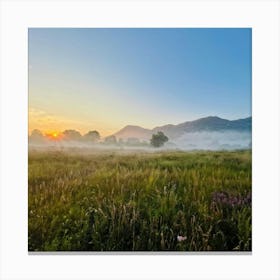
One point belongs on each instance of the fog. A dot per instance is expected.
(222, 140)
(227, 140)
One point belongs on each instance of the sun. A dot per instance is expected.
(54, 136)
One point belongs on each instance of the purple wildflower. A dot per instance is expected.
(229, 200)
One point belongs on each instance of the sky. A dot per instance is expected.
(104, 79)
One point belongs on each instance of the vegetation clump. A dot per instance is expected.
(158, 139)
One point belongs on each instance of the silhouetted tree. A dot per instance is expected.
(133, 141)
(92, 136)
(158, 139)
(111, 139)
(36, 136)
(71, 134)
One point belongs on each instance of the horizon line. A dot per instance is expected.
(45, 132)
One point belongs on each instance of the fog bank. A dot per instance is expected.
(203, 140)
(216, 140)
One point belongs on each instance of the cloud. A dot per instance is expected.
(34, 112)
(46, 122)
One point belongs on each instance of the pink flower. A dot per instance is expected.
(181, 238)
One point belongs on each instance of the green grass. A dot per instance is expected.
(115, 201)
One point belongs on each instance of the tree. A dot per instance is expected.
(133, 141)
(111, 139)
(36, 136)
(92, 136)
(158, 139)
(72, 134)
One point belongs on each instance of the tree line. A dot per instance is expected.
(93, 136)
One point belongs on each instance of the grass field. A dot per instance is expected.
(161, 201)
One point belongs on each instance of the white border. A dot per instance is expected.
(262, 16)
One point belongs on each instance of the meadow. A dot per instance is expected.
(139, 201)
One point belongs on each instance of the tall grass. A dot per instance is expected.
(139, 202)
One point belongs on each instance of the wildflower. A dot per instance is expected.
(181, 238)
(225, 199)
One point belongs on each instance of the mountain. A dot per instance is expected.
(208, 124)
(133, 131)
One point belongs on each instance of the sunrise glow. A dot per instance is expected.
(55, 136)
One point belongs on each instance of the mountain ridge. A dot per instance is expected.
(210, 123)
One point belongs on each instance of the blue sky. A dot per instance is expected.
(105, 79)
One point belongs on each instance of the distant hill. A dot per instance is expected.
(133, 131)
(208, 124)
